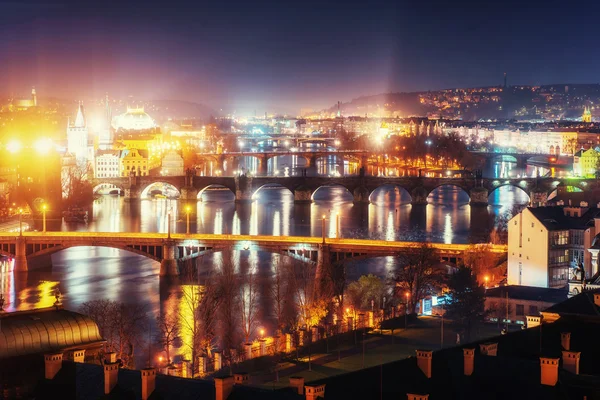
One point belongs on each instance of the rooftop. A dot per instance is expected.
(554, 218)
(530, 293)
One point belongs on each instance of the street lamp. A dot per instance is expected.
(486, 279)
(323, 228)
(44, 207)
(187, 210)
(406, 312)
(169, 224)
(20, 222)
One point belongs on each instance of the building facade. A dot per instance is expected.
(77, 136)
(107, 164)
(134, 161)
(172, 164)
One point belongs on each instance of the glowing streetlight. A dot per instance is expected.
(44, 207)
(486, 279)
(14, 146)
(43, 146)
(406, 312)
(262, 333)
(187, 210)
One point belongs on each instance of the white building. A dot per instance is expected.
(172, 164)
(108, 164)
(546, 244)
(77, 137)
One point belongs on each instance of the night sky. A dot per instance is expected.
(247, 55)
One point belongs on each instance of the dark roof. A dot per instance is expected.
(530, 293)
(44, 331)
(554, 218)
(581, 305)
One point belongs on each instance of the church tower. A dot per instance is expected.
(34, 97)
(105, 137)
(77, 136)
(587, 115)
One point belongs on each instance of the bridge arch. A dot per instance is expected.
(273, 186)
(390, 193)
(567, 188)
(521, 195)
(337, 190)
(504, 158)
(107, 188)
(153, 252)
(160, 188)
(214, 187)
(440, 195)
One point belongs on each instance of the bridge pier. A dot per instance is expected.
(263, 164)
(21, 264)
(538, 197)
(361, 195)
(189, 193)
(243, 189)
(478, 196)
(168, 265)
(419, 196)
(132, 193)
(302, 194)
(323, 259)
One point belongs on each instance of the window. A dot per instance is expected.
(576, 237)
(532, 224)
(533, 310)
(559, 257)
(520, 310)
(559, 238)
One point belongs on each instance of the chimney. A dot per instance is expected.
(469, 361)
(570, 361)
(111, 374)
(424, 361)
(241, 378)
(77, 355)
(313, 392)
(565, 340)
(597, 299)
(489, 349)
(533, 321)
(53, 364)
(224, 387)
(549, 371)
(148, 382)
(410, 396)
(298, 383)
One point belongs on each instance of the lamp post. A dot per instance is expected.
(187, 210)
(20, 222)
(44, 207)
(323, 228)
(486, 279)
(406, 312)
(169, 224)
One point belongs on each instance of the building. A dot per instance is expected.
(172, 164)
(135, 119)
(547, 244)
(512, 304)
(134, 161)
(77, 136)
(587, 115)
(21, 104)
(585, 163)
(107, 164)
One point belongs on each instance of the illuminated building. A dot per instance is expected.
(77, 136)
(135, 119)
(172, 164)
(546, 244)
(135, 161)
(22, 104)
(587, 115)
(107, 164)
(585, 163)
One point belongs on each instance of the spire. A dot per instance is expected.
(34, 96)
(80, 119)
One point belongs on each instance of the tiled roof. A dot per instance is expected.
(530, 293)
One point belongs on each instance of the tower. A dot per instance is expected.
(34, 97)
(77, 136)
(587, 115)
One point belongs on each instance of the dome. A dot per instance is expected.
(134, 119)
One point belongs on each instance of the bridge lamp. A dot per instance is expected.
(407, 294)
(336, 143)
(14, 146)
(187, 211)
(44, 208)
(262, 333)
(486, 279)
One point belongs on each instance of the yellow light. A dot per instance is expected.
(14, 146)
(43, 146)
(188, 209)
(323, 216)
(44, 207)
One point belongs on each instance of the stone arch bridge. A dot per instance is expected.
(361, 187)
(33, 249)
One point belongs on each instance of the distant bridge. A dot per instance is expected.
(361, 187)
(35, 247)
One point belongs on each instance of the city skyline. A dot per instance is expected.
(309, 56)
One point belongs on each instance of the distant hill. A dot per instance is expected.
(162, 110)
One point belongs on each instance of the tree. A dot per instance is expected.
(249, 303)
(209, 305)
(368, 288)
(168, 332)
(279, 294)
(229, 305)
(76, 186)
(418, 273)
(465, 302)
(481, 260)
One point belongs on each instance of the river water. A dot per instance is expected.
(89, 273)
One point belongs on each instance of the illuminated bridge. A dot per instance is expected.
(244, 187)
(35, 248)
